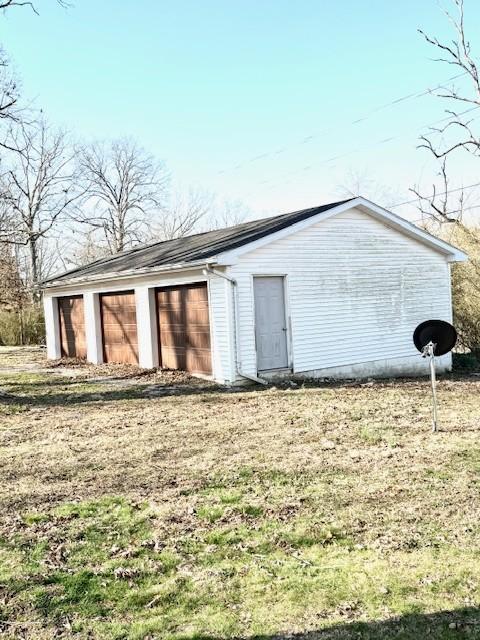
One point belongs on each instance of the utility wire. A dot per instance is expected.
(363, 118)
(358, 150)
(440, 193)
(449, 213)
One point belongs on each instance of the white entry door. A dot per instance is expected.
(270, 322)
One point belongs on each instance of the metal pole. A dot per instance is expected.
(434, 390)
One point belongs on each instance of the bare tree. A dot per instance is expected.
(38, 190)
(182, 215)
(197, 211)
(84, 248)
(229, 213)
(361, 183)
(12, 289)
(436, 206)
(125, 191)
(458, 129)
(8, 87)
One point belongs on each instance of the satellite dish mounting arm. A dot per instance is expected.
(428, 351)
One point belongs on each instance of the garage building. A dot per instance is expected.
(332, 291)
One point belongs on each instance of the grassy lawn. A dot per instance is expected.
(152, 506)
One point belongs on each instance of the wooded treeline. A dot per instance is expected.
(64, 203)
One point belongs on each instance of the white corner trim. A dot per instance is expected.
(387, 217)
(52, 327)
(146, 327)
(93, 327)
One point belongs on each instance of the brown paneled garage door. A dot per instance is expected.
(184, 328)
(72, 327)
(119, 327)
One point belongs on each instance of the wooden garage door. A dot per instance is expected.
(184, 328)
(119, 327)
(72, 327)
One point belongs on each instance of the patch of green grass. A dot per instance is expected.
(370, 434)
(375, 434)
(33, 518)
(12, 409)
(250, 510)
(468, 457)
(210, 513)
(230, 497)
(439, 474)
(307, 534)
(228, 536)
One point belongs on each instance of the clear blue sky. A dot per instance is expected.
(207, 85)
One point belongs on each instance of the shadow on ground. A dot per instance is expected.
(46, 392)
(444, 625)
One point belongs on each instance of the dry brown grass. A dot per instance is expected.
(356, 461)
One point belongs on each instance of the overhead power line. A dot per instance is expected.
(449, 213)
(368, 115)
(440, 193)
(296, 172)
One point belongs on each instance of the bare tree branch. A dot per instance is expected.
(461, 136)
(38, 190)
(125, 191)
(183, 214)
(8, 4)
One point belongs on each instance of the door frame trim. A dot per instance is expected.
(288, 323)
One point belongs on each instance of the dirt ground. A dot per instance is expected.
(313, 509)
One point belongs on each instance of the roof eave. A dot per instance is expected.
(133, 273)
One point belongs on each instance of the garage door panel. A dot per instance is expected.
(118, 336)
(198, 340)
(72, 327)
(171, 317)
(184, 328)
(119, 327)
(173, 358)
(171, 297)
(127, 317)
(172, 338)
(198, 362)
(197, 293)
(195, 315)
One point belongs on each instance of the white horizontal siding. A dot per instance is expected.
(356, 290)
(220, 298)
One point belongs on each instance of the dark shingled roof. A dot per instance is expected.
(200, 246)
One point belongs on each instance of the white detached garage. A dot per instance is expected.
(335, 290)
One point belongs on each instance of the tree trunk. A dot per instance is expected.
(32, 245)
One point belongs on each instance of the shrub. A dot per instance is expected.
(22, 327)
(466, 290)
(465, 362)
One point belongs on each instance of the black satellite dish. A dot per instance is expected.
(442, 334)
(434, 338)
